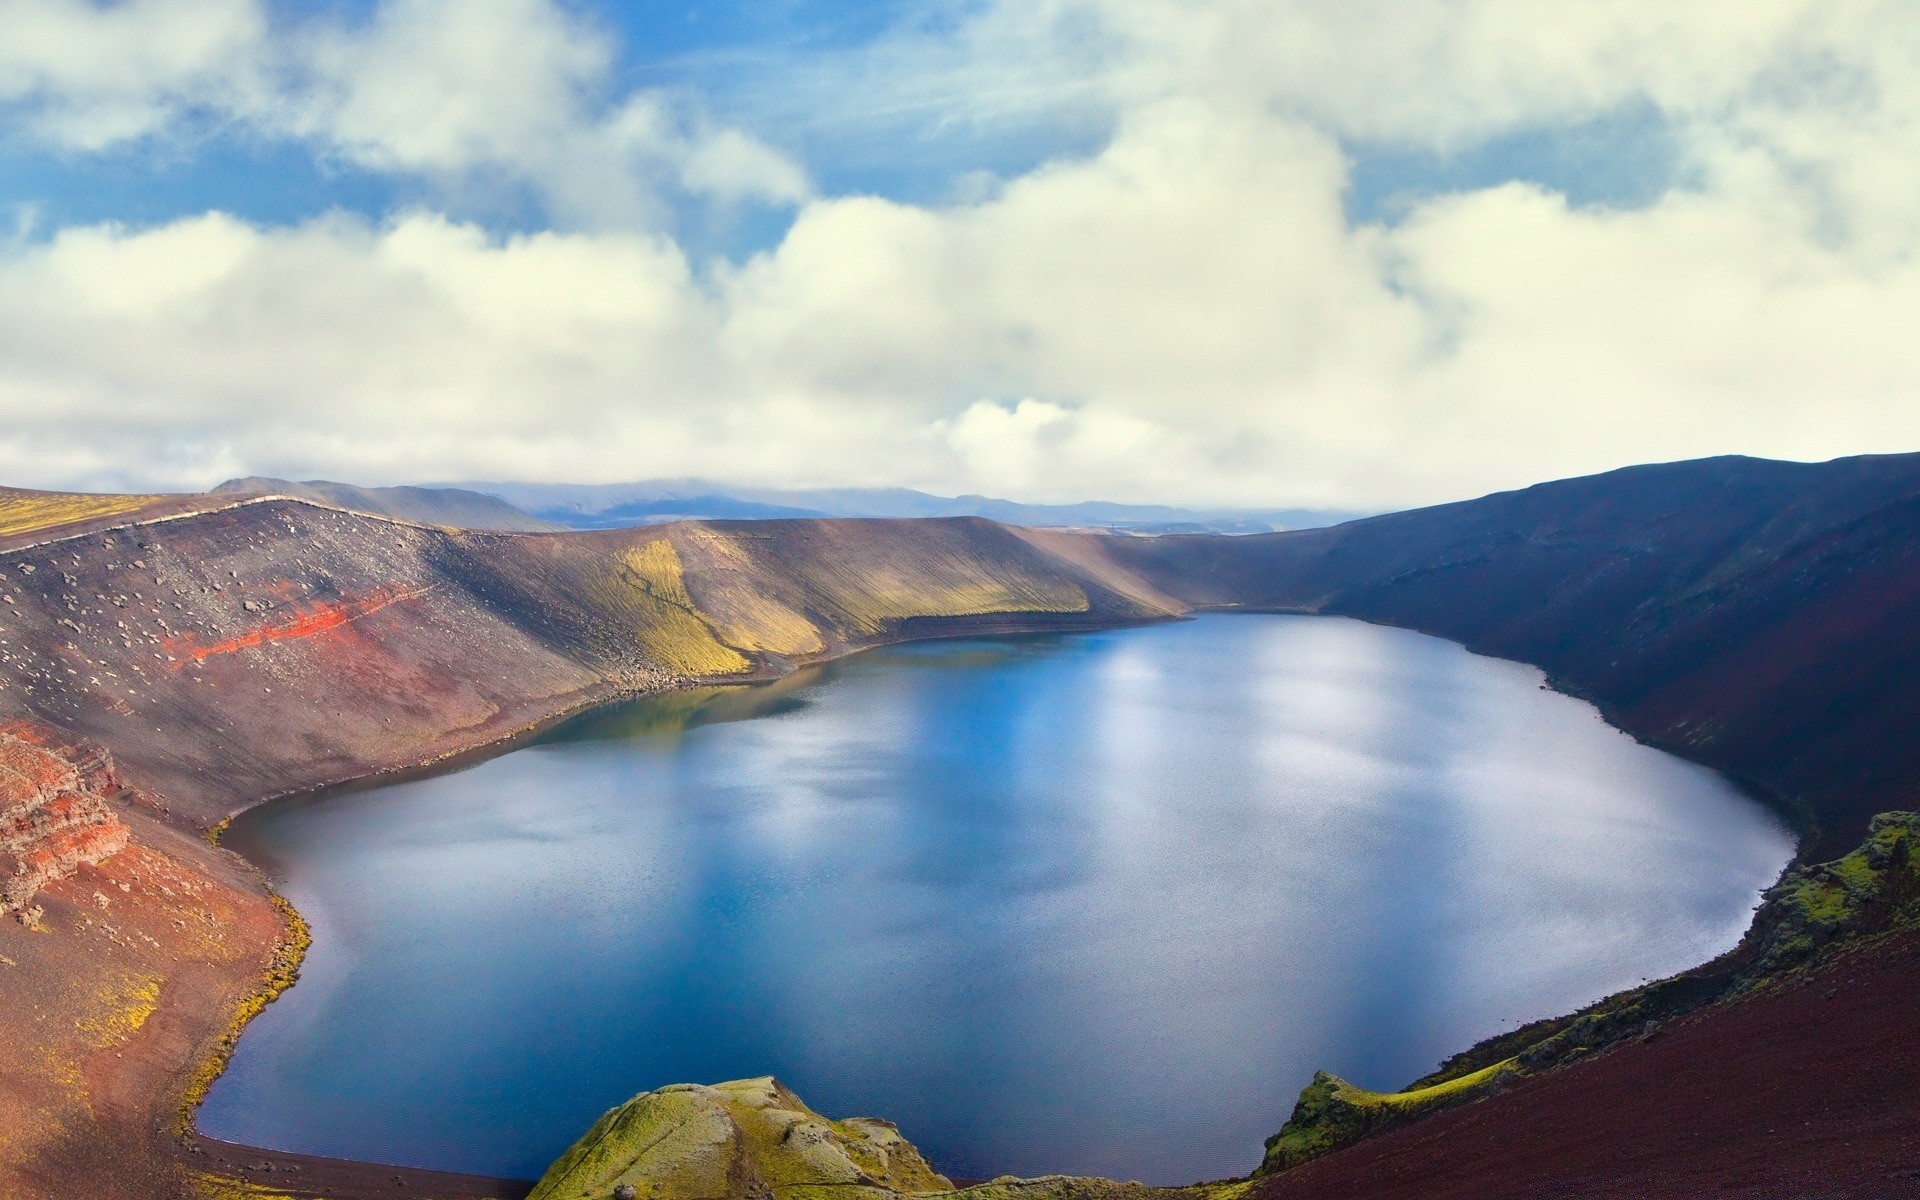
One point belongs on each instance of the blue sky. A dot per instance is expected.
(755, 64)
(1207, 251)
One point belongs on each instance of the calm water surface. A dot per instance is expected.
(1094, 904)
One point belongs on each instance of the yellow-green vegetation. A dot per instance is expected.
(1868, 891)
(940, 585)
(1332, 1113)
(282, 970)
(121, 1011)
(749, 1138)
(734, 596)
(1814, 910)
(649, 584)
(754, 1139)
(27, 512)
(219, 1187)
(788, 594)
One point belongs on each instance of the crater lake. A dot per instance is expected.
(1096, 903)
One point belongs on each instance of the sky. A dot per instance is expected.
(1342, 253)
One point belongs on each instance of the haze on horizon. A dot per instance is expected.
(1243, 252)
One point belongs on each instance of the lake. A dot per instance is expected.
(1096, 903)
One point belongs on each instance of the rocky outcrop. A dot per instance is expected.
(1332, 1113)
(54, 811)
(1813, 912)
(753, 1138)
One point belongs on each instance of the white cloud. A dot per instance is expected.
(89, 75)
(1186, 314)
(453, 91)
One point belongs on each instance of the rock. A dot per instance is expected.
(54, 814)
(748, 1138)
(752, 1139)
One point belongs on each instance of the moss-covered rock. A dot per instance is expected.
(755, 1139)
(752, 1139)
(1332, 1113)
(1811, 910)
(1868, 891)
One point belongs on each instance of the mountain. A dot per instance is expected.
(608, 506)
(454, 507)
(1755, 616)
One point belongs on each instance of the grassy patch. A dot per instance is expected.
(219, 1187)
(28, 512)
(1332, 1113)
(122, 1012)
(648, 584)
(1811, 913)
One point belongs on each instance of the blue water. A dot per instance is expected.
(1098, 903)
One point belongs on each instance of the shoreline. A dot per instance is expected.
(400, 1177)
(206, 1069)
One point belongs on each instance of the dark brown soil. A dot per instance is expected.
(1758, 617)
(339, 1177)
(1809, 1092)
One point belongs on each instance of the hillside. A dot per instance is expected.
(1756, 616)
(650, 502)
(222, 649)
(455, 507)
(276, 645)
(232, 648)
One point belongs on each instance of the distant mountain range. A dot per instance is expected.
(543, 507)
(650, 502)
(428, 505)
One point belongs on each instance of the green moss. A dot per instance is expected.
(647, 584)
(1812, 907)
(754, 1139)
(750, 1138)
(1332, 1113)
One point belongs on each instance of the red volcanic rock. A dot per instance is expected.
(54, 814)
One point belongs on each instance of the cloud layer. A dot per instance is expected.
(1186, 313)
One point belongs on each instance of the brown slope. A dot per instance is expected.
(233, 652)
(336, 644)
(278, 645)
(1753, 615)
(1802, 1093)
(454, 507)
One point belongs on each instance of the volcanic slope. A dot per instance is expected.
(454, 507)
(277, 645)
(1756, 616)
(233, 650)
(1752, 615)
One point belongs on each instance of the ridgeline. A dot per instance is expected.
(1754, 616)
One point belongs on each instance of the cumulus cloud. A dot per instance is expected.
(509, 90)
(87, 76)
(1186, 313)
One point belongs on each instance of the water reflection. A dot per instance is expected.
(1095, 904)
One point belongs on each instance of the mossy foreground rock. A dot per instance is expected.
(1812, 911)
(1332, 1113)
(752, 1139)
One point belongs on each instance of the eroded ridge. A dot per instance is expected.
(54, 811)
